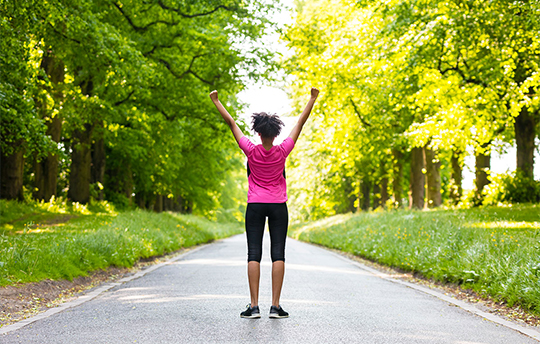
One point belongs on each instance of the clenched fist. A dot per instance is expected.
(214, 96)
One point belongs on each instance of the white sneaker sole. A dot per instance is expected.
(255, 316)
(277, 316)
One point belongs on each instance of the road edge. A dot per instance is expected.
(96, 292)
(461, 304)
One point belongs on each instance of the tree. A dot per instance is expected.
(492, 48)
(22, 132)
(122, 88)
(419, 77)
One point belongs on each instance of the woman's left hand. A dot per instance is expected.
(213, 95)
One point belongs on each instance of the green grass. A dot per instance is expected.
(494, 251)
(53, 241)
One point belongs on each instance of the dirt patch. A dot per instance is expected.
(24, 217)
(54, 221)
(45, 223)
(512, 313)
(22, 301)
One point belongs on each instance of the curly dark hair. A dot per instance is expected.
(266, 125)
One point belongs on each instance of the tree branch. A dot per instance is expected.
(459, 71)
(135, 27)
(211, 83)
(151, 51)
(184, 15)
(168, 66)
(124, 100)
(166, 115)
(366, 124)
(171, 118)
(188, 71)
(146, 26)
(61, 33)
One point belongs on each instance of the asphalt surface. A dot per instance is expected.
(198, 299)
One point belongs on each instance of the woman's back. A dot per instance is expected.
(266, 179)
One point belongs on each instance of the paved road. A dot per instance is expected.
(198, 300)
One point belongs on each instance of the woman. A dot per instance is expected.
(267, 197)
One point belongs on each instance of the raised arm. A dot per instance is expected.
(226, 116)
(304, 116)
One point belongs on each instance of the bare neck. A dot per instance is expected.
(267, 143)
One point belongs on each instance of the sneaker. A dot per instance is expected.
(277, 313)
(251, 312)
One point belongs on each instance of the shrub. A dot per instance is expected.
(512, 187)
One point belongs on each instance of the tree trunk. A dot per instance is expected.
(351, 200)
(128, 184)
(366, 191)
(140, 199)
(350, 194)
(178, 204)
(81, 159)
(482, 166)
(433, 168)
(524, 129)
(188, 209)
(98, 163)
(151, 202)
(11, 174)
(46, 171)
(167, 203)
(384, 191)
(376, 196)
(158, 206)
(383, 183)
(398, 177)
(39, 179)
(81, 156)
(418, 179)
(456, 189)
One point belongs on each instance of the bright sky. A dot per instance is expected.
(500, 163)
(261, 98)
(273, 99)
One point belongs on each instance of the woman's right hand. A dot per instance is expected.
(314, 92)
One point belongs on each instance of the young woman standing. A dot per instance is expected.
(267, 197)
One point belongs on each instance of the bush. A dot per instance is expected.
(120, 201)
(512, 187)
(522, 189)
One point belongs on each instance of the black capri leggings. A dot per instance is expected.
(278, 221)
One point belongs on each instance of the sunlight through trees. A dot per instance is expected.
(406, 87)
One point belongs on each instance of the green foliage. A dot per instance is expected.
(405, 74)
(42, 247)
(134, 82)
(514, 187)
(493, 250)
(20, 128)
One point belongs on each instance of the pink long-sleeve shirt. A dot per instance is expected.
(266, 181)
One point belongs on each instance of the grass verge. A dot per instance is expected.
(58, 241)
(494, 251)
